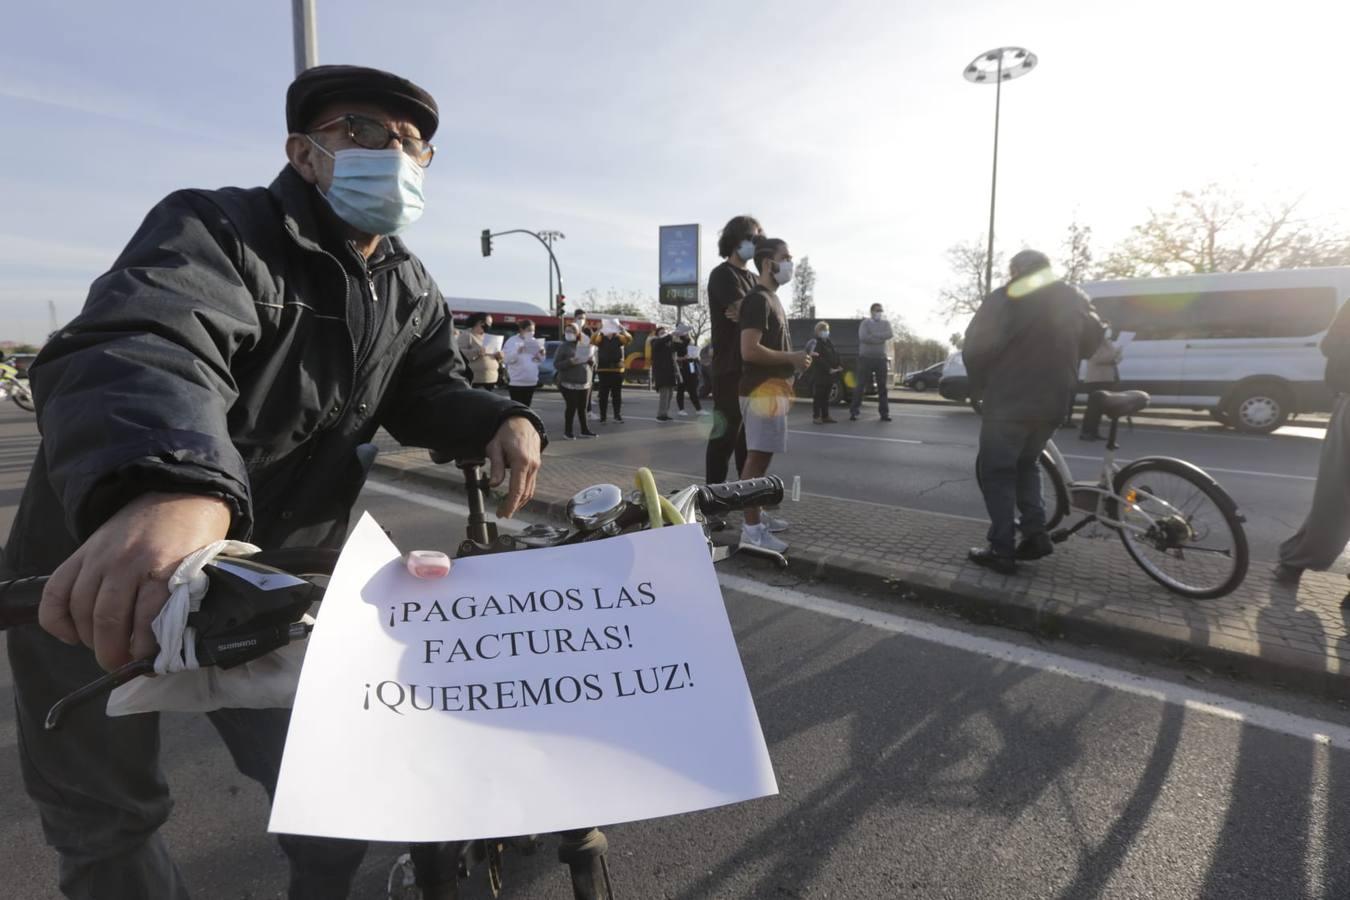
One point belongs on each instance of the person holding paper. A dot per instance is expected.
(574, 380)
(217, 384)
(768, 366)
(686, 360)
(523, 355)
(665, 372)
(482, 351)
(611, 345)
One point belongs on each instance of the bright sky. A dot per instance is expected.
(846, 127)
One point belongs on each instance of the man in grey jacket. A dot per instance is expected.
(1022, 351)
(216, 384)
(874, 337)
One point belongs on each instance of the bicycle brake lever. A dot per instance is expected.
(101, 685)
(222, 651)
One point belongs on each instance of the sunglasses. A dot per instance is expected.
(370, 134)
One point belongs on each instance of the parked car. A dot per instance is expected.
(1242, 346)
(955, 383)
(546, 368)
(923, 379)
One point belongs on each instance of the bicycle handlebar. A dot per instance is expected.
(715, 499)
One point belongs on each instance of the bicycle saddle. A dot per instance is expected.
(1123, 403)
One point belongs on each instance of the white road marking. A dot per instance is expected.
(1315, 730)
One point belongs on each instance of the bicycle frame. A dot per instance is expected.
(1104, 493)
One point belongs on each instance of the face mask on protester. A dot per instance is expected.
(375, 191)
(876, 316)
(782, 272)
(825, 335)
(570, 335)
(746, 250)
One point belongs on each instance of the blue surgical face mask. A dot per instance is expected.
(375, 191)
(825, 334)
(745, 250)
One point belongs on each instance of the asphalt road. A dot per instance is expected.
(924, 459)
(917, 757)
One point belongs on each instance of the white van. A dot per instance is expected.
(1241, 345)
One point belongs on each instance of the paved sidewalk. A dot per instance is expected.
(1089, 590)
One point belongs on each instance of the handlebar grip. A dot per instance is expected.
(19, 600)
(714, 499)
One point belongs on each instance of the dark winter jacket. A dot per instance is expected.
(1336, 348)
(235, 348)
(822, 368)
(610, 351)
(1022, 352)
(664, 370)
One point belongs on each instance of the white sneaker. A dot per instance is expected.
(703, 412)
(684, 413)
(776, 525)
(759, 536)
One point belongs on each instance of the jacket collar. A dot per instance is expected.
(298, 200)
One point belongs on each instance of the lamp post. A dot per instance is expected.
(486, 244)
(304, 35)
(997, 66)
(549, 237)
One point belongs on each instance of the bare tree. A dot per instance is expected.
(1212, 230)
(804, 290)
(966, 292)
(1077, 253)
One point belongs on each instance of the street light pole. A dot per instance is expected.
(304, 34)
(549, 237)
(999, 65)
(488, 235)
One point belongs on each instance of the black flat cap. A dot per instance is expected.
(314, 88)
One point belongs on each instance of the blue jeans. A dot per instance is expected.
(1010, 479)
(98, 785)
(868, 367)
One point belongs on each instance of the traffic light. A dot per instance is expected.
(487, 241)
(562, 307)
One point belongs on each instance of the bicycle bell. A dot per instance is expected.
(595, 507)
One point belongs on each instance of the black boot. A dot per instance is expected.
(1003, 565)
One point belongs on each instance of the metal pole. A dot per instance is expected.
(305, 36)
(552, 297)
(993, 188)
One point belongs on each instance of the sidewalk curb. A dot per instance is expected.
(930, 398)
(1021, 609)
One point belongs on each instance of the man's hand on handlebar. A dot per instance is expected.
(109, 591)
(516, 446)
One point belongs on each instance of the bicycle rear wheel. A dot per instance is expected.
(1181, 528)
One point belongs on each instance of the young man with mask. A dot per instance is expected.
(217, 384)
(768, 365)
(728, 284)
(874, 338)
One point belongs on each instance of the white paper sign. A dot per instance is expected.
(492, 343)
(528, 692)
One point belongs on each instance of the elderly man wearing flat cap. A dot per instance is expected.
(217, 384)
